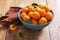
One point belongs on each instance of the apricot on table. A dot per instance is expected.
(12, 27)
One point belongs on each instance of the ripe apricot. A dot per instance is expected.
(48, 16)
(34, 21)
(22, 15)
(37, 9)
(30, 14)
(35, 15)
(41, 6)
(46, 8)
(31, 8)
(25, 18)
(24, 10)
(42, 12)
(12, 27)
(43, 20)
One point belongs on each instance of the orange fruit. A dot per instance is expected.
(25, 18)
(12, 27)
(43, 20)
(42, 12)
(30, 14)
(24, 10)
(46, 8)
(34, 21)
(35, 15)
(48, 16)
(37, 9)
(41, 6)
(22, 15)
(31, 8)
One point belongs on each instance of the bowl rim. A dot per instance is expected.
(33, 24)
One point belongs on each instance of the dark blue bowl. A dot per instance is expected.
(32, 26)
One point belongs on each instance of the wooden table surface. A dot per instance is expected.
(51, 32)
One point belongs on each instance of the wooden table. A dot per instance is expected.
(51, 32)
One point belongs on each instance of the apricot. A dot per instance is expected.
(30, 14)
(22, 15)
(43, 20)
(38, 9)
(42, 12)
(46, 8)
(12, 27)
(48, 16)
(31, 8)
(25, 18)
(34, 21)
(24, 10)
(41, 6)
(35, 15)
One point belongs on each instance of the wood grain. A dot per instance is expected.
(54, 26)
(2, 34)
(14, 35)
(2, 3)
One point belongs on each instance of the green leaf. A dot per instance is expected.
(21, 12)
(21, 35)
(35, 5)
(29, 21)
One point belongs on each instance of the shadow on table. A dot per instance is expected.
(35, 35)
(28, 34)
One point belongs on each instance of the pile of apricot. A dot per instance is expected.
(36, 14)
